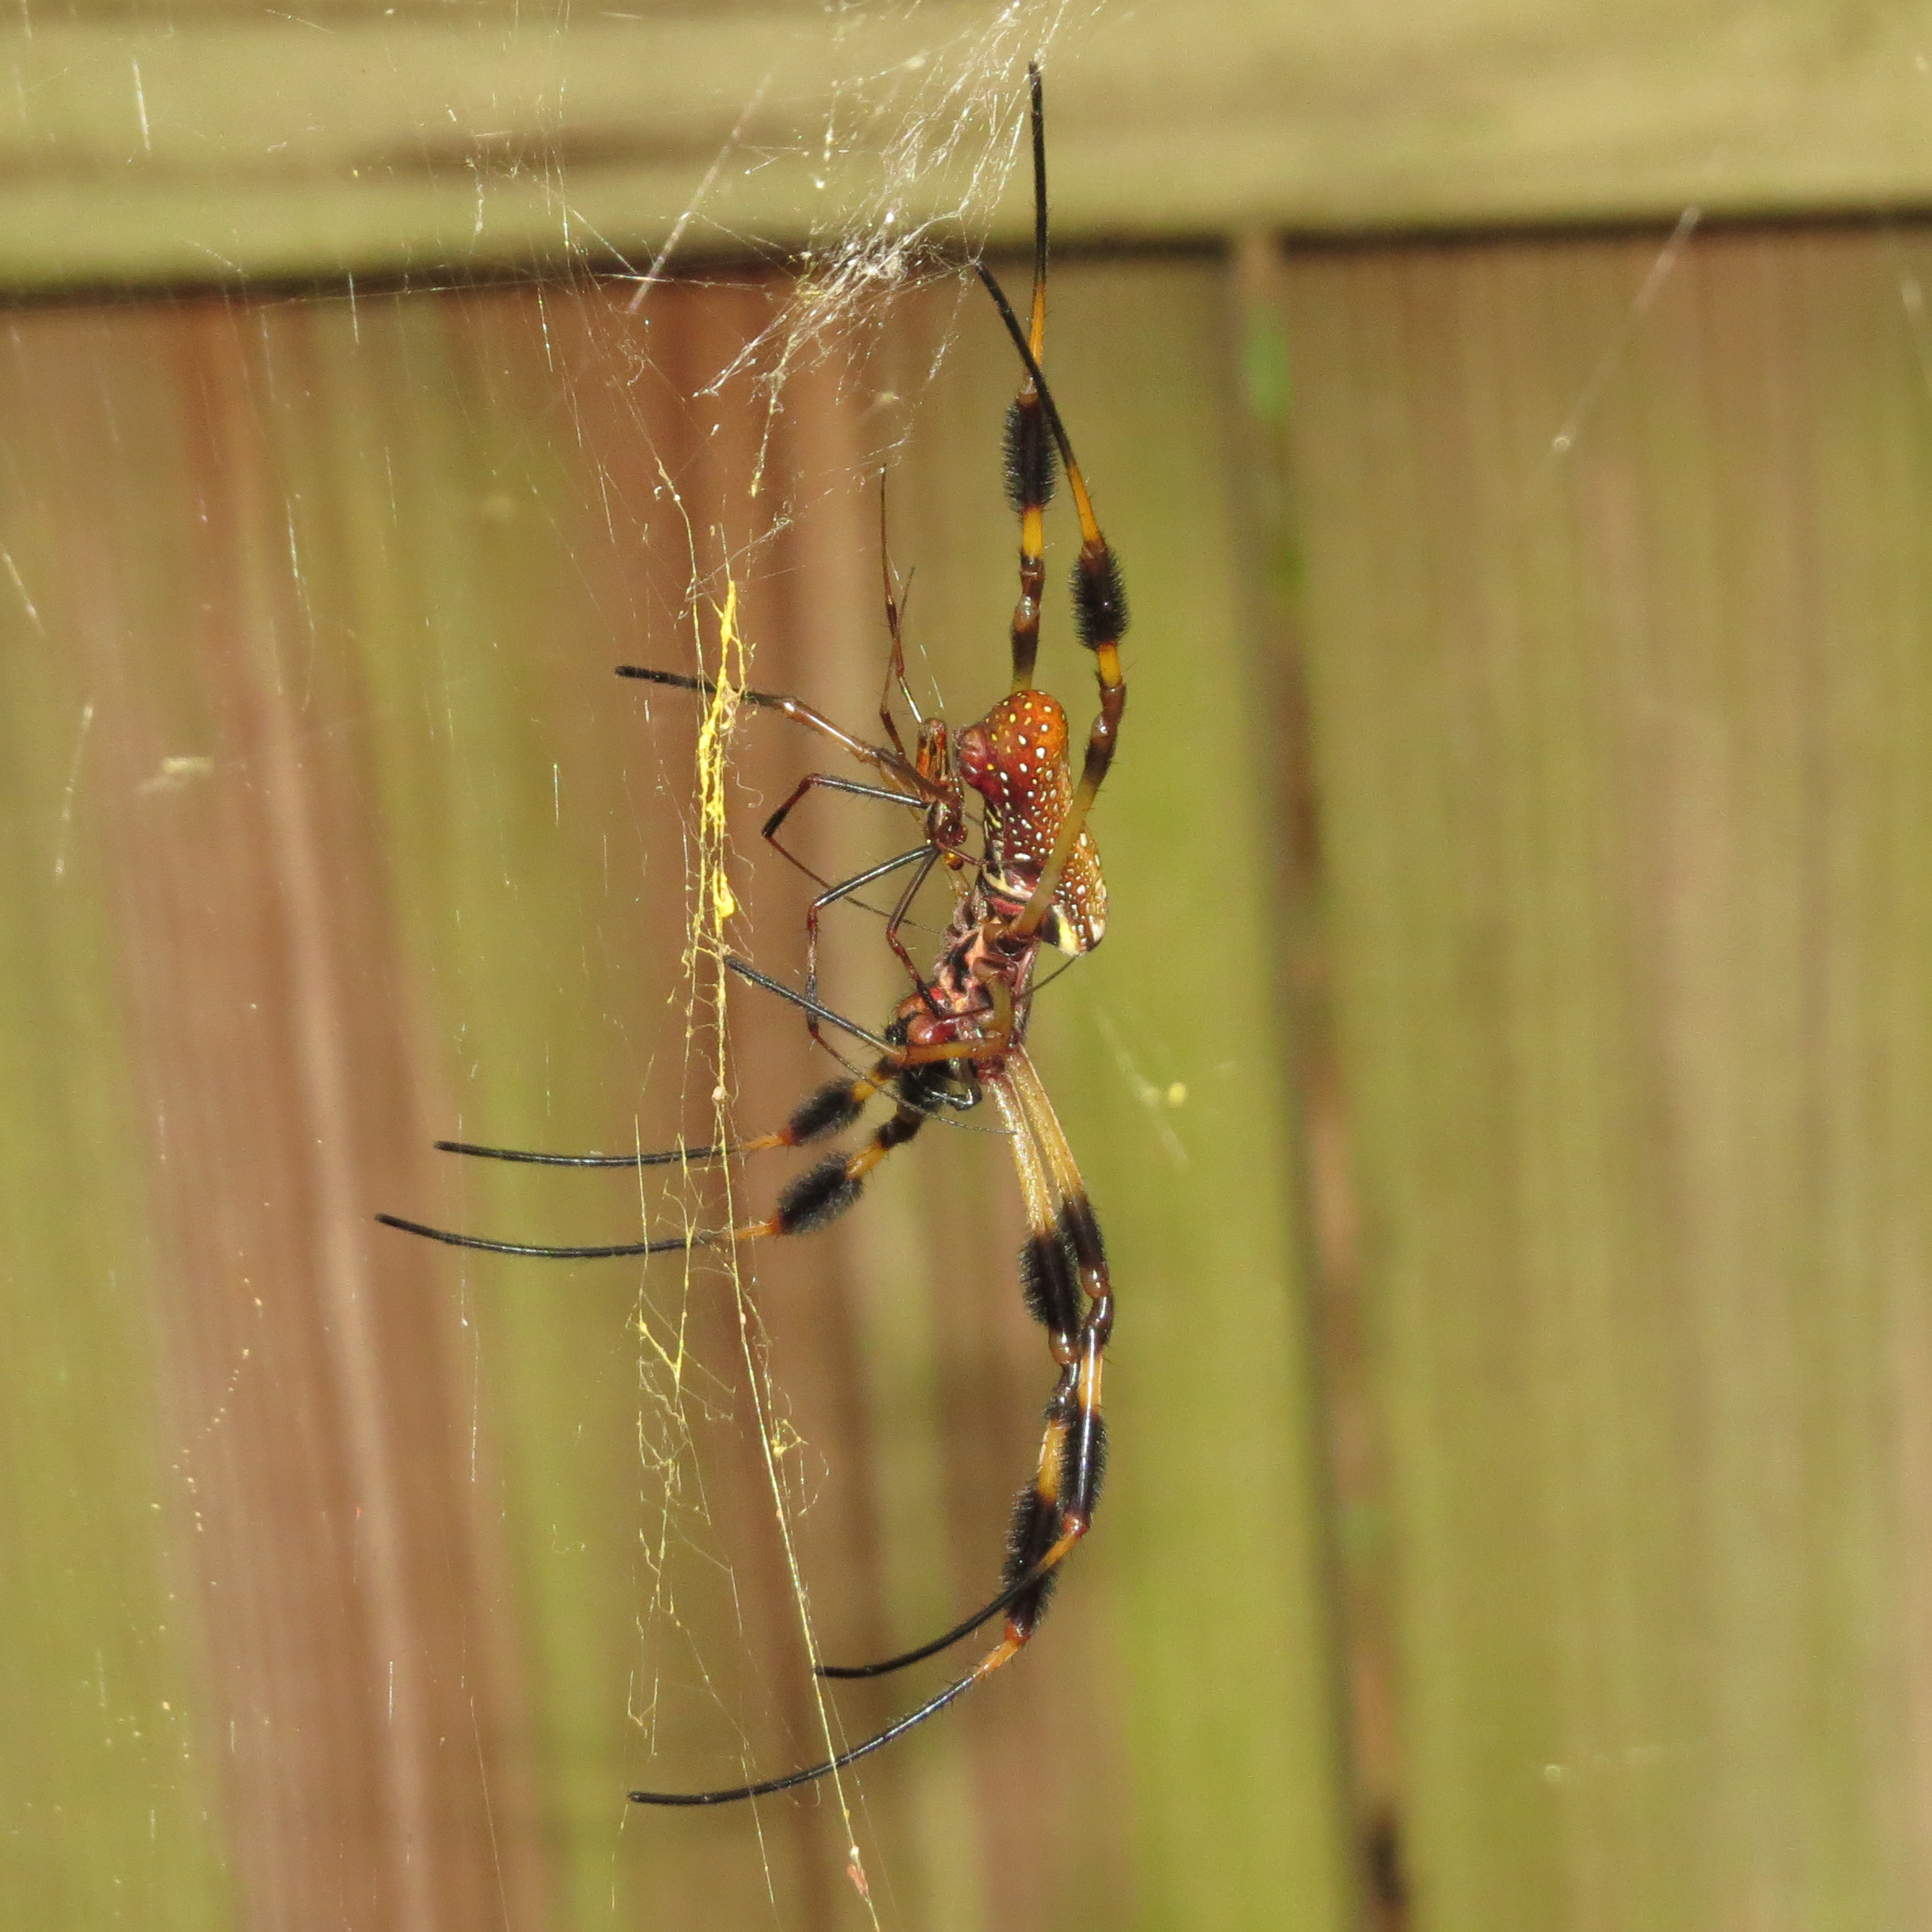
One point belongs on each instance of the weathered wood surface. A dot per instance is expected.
(344, 1570)
(220, 142)
(1617, 609)
(352, 1576)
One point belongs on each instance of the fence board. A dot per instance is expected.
(216, 143)
(1616, 611)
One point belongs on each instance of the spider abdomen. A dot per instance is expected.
(1015, 759)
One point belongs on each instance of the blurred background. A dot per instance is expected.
(1506, 1084)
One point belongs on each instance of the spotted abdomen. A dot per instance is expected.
(1015, 759)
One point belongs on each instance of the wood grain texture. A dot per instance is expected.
(106, 1780)
(349, 1701)
(374, 848)
(229, 142)
(1615, 610)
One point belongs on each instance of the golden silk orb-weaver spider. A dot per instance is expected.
(959, 1036)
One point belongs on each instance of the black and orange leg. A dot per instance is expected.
(1053, 1513)
(820, 1194)
(1100, 612)
(1069, 1292)
(1029, 450)
(1063, 1278)
(1056, 1511)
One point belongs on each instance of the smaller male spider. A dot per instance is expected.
(960, 1034)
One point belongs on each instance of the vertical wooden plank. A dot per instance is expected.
(1167, 1058)
(349, 1696)
(110, 1798)
(1613, 591)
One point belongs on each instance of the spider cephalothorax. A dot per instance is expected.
(958, 1035)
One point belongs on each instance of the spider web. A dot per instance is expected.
(691, 436)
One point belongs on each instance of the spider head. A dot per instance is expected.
(943, 1083)
(932, 1084)
(945, 817)
(933, 752)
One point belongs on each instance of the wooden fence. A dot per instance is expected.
(1503, 1084)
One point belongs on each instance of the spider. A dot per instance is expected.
(959, 1035)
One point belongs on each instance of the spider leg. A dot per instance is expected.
(879, 757)
(895, 659)
(824, 1111)
(812, 781)
(1029, 451)
(794, 1135)
(1023, 1614)
(1001, 1654)
(1064, 1260)
(929, 853)
(902, 910)
(746, 971)
(605, 1252)
(1052, 1515)
(1100, 611)
(1063, 1256)
(1029, 1569)
(664, 1157)
(934, 1646)
(809, 1200)
(844, 889)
